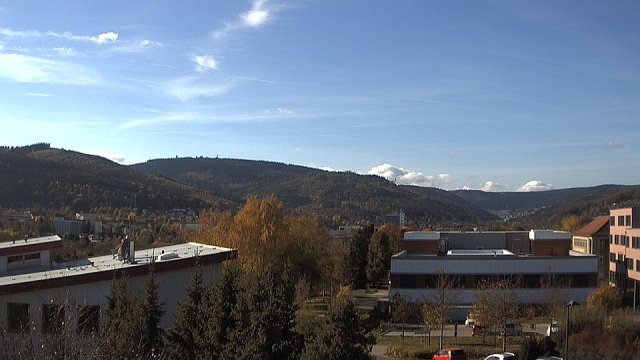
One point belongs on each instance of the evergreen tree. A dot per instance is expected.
(378, 249)
(187, 333)
(151, 334)
(226, 315)
(120, 338)
(356, 261)
(341, 336)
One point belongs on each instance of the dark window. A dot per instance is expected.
(89, 319)
(52, 318)
(627, 220)
(612, 221)
(32, 256)
(18, 318)
(580, 280)
(407, 281)
(620, 220)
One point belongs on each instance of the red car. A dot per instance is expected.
(450, 354)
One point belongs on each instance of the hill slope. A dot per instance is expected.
(349, 196)
(56, 178)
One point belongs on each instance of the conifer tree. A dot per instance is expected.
(151, 334)
(378, 249)
(226, 316)
(187, 333)
(356, 261)
(120, 338)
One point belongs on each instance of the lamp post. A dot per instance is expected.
(566, 334)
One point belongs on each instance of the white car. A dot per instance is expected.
(552, 328)
(469, 321)
(503, 356)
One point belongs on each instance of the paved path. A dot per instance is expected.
(379, 352)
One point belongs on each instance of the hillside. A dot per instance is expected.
(349, 196)
(54, 178)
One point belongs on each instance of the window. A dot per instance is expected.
(637, 265)
(629, 264)
(610, 239)
(612, 257)
(18, 318)
(89, 319)
(602, 261)
(408, 281)
(620, 220)
(23, 261)
(616, 240)
(623, 240)
(627, 220)
(612, 221)
(635, 242)
(52, 318)
(620, 258)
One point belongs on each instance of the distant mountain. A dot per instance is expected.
(351, 197)
(547, 208)
(55, 179)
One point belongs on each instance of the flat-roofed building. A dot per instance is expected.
(31, 285)
(475, 257)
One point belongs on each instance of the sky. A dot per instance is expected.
(490, 95)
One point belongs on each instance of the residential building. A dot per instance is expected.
(32, 285)
(396, 219)
(539, 258)
(593, 238)
(624, 250)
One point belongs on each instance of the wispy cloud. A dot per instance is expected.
(535, 185)
(259, 15)
(38, 94)
(204, 63)
(101, 38)
(29, 69)
(188, 88)
(614, 145)
(409, 177)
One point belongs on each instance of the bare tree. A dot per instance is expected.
(401, 311)
(444, 295)
(496, 305)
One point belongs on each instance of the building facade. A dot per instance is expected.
(542, 259)
(32, 287)
(593, 238)
(624, 248)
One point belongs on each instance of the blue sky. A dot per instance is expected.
(495, 95)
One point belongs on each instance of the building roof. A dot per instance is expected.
(106, 267)
(594, 226)
(30, 245)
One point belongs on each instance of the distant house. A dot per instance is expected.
(32, 286)
(396, 219)
(593, 238)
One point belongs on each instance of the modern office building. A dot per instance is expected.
(530, 260)
(624, 250)
(593, 238)
(33, 287)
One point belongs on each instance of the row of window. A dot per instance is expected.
(53, 318)
(527, 281)
(623, 220)
(628, 262)
(23, 261)
(624, 241)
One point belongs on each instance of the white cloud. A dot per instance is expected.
(409, 177)
(328, 168)
(29, 69)
(65, 51)
(535, 185)
(490, 186)
(38, 94)
(109, 36)
(204, 63)
(188, 88)
(280, 111)
(256, 17)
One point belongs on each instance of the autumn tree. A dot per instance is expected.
(401, 311)
(606, 297)
(570, 223)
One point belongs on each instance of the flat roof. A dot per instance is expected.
(103, 267)
(30, 245)
(483, 252)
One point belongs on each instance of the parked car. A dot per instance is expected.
(503, 356)
(469, 321)
(450, 354)
(552, 328)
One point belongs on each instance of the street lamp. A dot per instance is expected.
(566, 334)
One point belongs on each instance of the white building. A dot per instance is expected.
(33, 288)
(414, 273)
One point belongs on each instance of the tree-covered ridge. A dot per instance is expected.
(339, 197)
(56, 178)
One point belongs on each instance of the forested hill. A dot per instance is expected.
(349, 196)
(54, 179)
